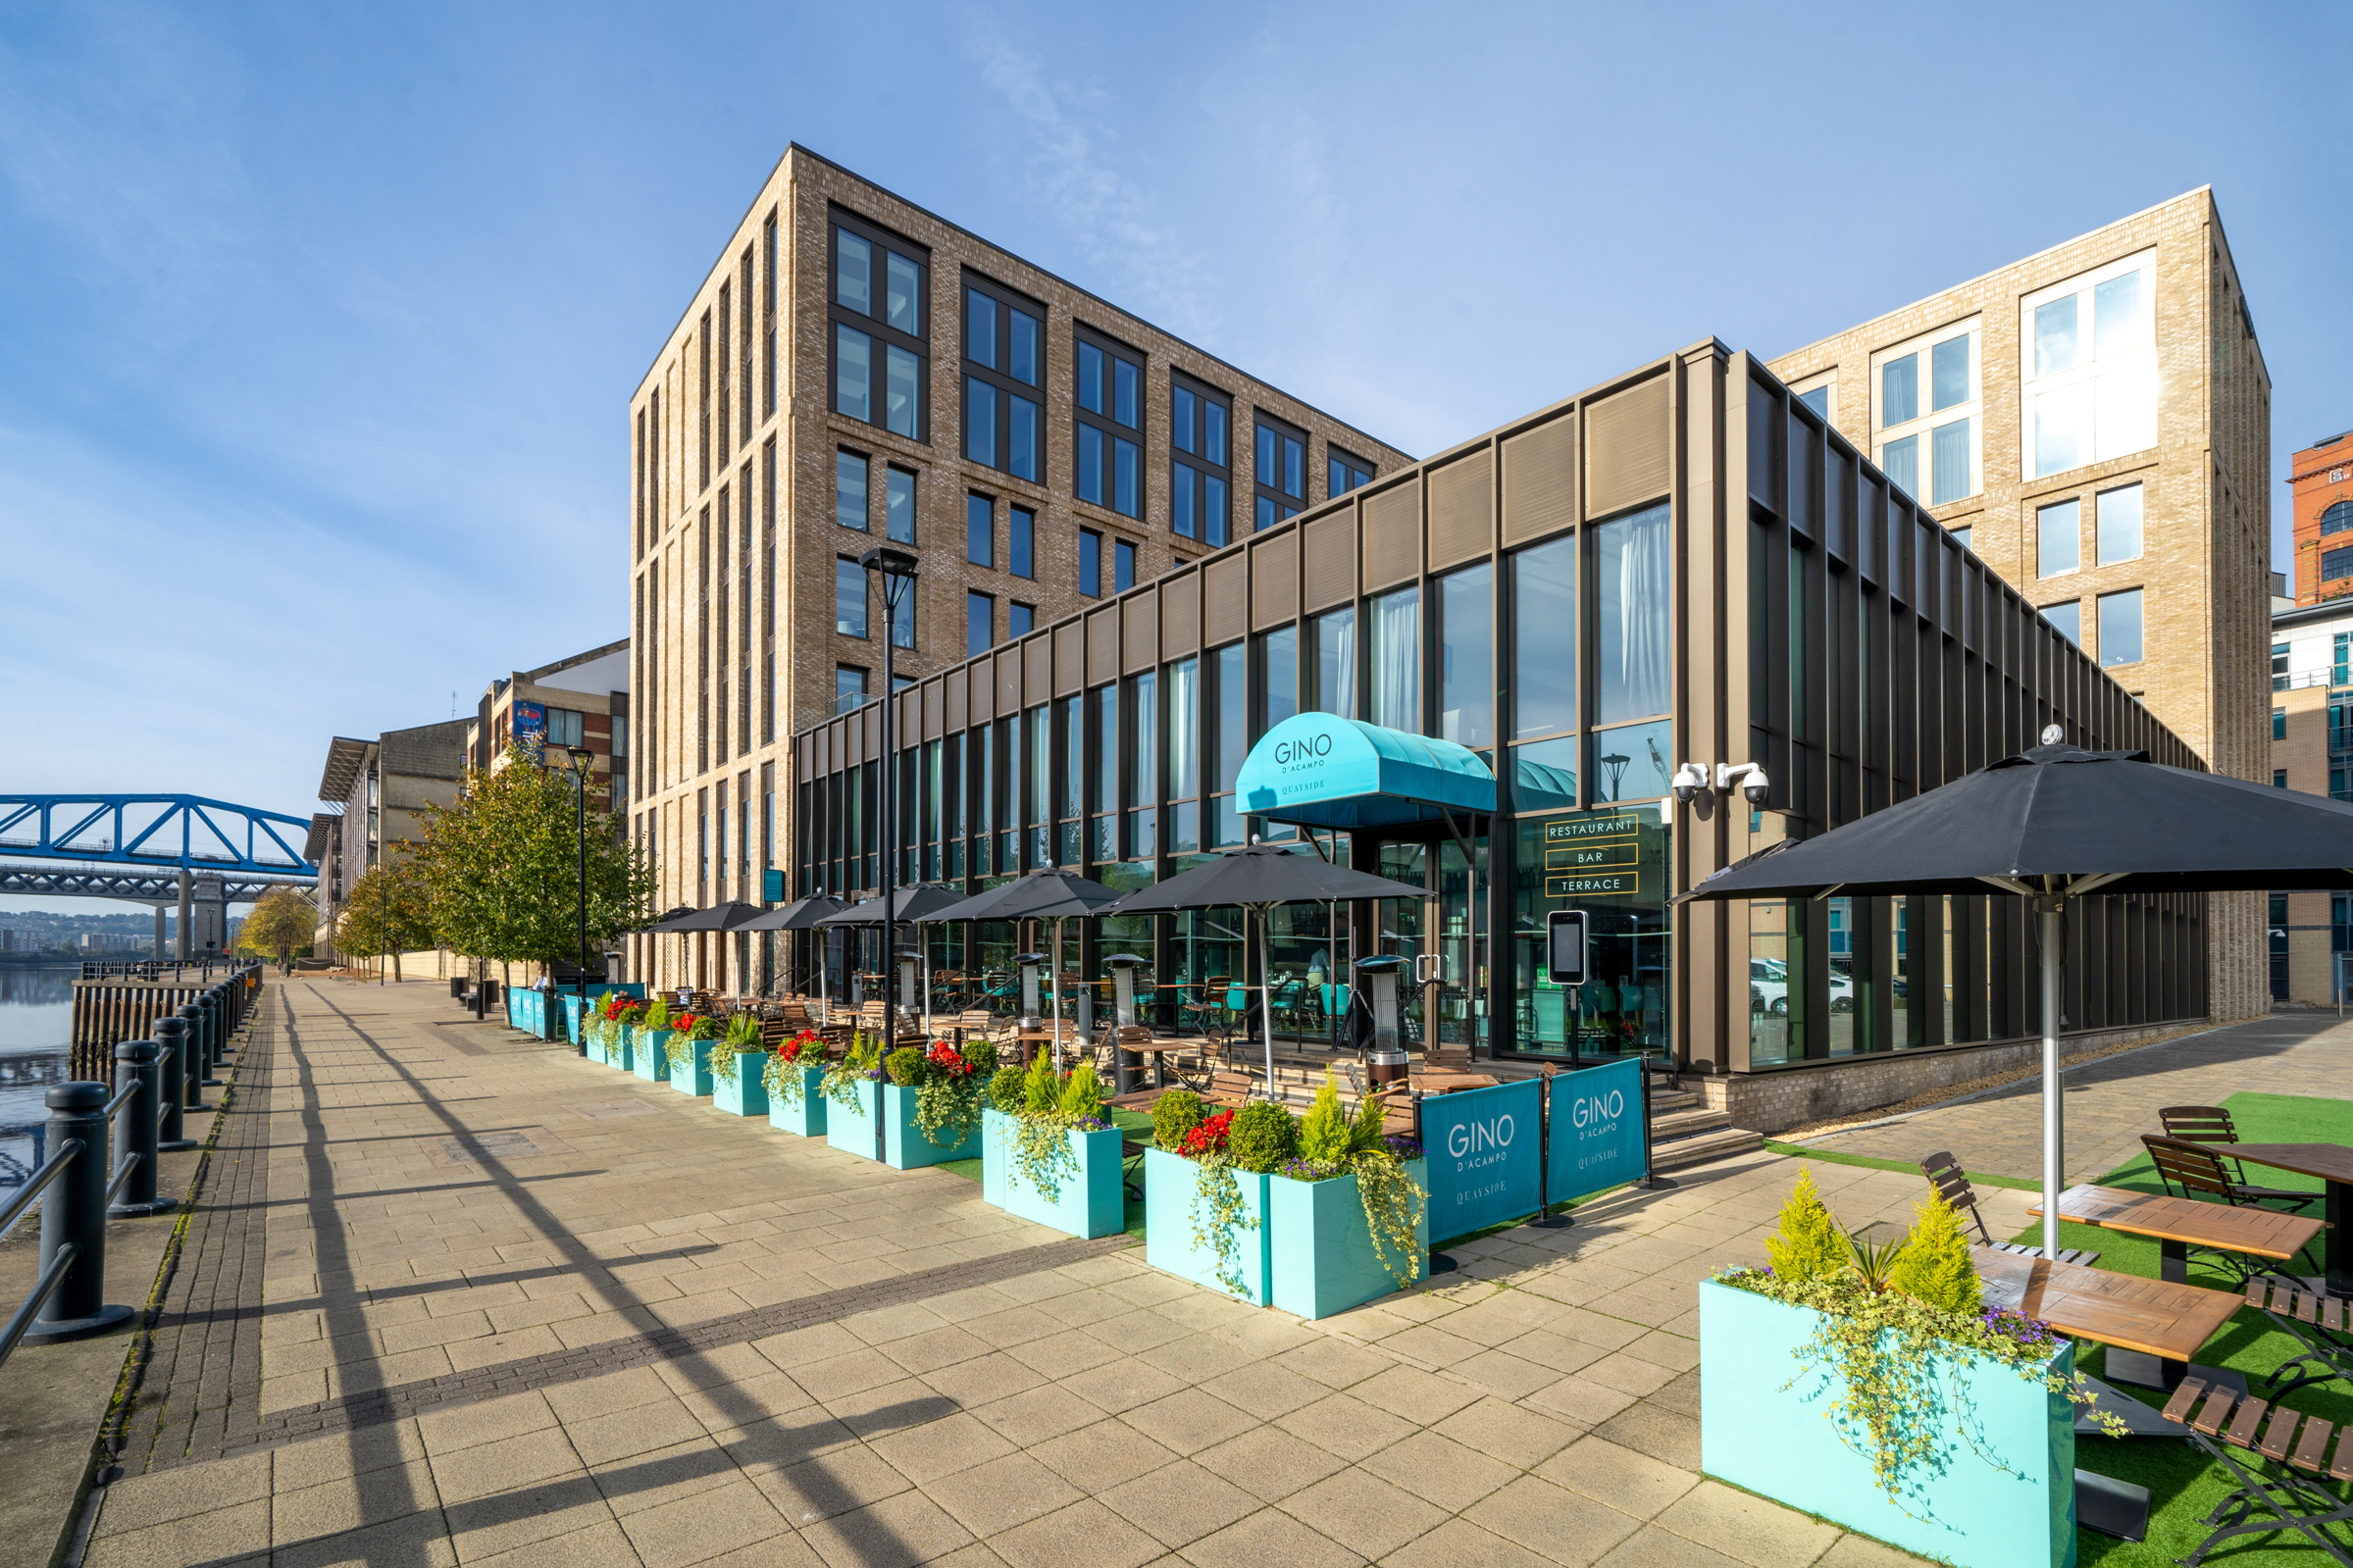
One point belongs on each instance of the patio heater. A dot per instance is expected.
(1376, 980)
(1123, 1012)
(1028, 1022)
(908, 983)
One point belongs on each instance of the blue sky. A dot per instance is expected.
(319, 321)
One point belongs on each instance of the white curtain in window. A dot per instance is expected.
(1396, 661)
(1184, 729)
(1634, 617)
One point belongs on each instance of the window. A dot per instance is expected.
(2336, 563)
(2278, 724)
(849, 687)
(1278, 669)
(2058, 537)
(899, 505)
(1201, 465)
(1335, 653)
(1630, 644)
(1021, 541)
(980, 530)
(1962, 535)
(980, 622)
(2089, 393)
(1003, 354)
(2340, 658)
(2119, 628)
(2279, 667)
(880, 353)
(1926, 421)
(849, 597)
(903, 619)
(768, 307)
(1396, 660)
(2120, 524)
(1020, 619)
(563, 726)
(1280, 475)
(1091, 564)
(2336, 518)
(1110, 422)
(1346, 472)
(1466, 657)
(1818, 398)
(849, 491)
(2068, 617)
(1123, 564)
(1543, 641)
(620, 735)
(2278, 778)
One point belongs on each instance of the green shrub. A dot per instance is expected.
(980, 1056)
(1174, 1114)
(1042, 1087)
(905, 1067)
(1934, 1266)
(657, 1015)
(1263, 1136)
(1325, 1136)
(1081, 1095)
(1006, 1091)
(1810, 1243)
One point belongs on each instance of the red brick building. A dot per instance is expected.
(2320, 481)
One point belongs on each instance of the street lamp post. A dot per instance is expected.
(581, 760)
(896, 570)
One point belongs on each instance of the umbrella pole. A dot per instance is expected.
(1057, 993)
(1266, 990)
(2053, 1112)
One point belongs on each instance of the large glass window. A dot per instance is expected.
(1279, 477)
(1466, 657)
(849, 598)
(2336, 563)
(1544, 640)
(1183, 756)
(1002, 337)
(1345, 473)
(1278, 662)
(2068, 617)
(1020, 619)
(849, 491)
(1110, 422)
(1021, 541)
(2337, 517)
(1141, 782)
(2090, 393)
(899, 507)
(1199, 467)
(980, 530)
(849, 687)
(903, 619)
(1334, 634)
(1611, 864)
(1926, 423)
(1091, 564)
(980, 622)
(2058, 537)
(2120, 524)
(1631, 615)
(1229, 736)
(880, 349)
(1396, 660)
(2119, 628)
(1123, 564)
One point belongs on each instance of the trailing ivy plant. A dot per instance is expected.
(684, 1031)
(788, 1063)
(1333, 1144)
(857, 1065)
(1218, 1215)
(1048, 1108)
(947, 1097)
(1892, 1321)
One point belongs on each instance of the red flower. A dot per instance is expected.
(948, 1059)
(683, 1021)
(1207, 1137)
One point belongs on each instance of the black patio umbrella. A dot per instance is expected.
(2057, 823)
(662, 921)
(799, 915)
(1048, 892)
(729, 916)
(912, 904)
(1259, 876)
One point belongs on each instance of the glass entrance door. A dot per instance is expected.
(1403, 927)
(1438, 936)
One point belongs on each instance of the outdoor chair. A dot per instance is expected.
(2316, 1321)
(1400, 1112)
(2212, 1124)
(1952, 1184)
(2199, 1173)
(2283, 1473)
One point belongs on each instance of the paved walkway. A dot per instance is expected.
(467, 1299)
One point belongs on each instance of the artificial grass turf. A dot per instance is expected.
(2184, 1484)
(1873, 1162)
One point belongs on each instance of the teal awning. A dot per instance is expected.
(1329, 771)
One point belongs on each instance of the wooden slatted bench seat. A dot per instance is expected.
(2280, 1465)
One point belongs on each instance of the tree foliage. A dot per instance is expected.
(387, 913)
(283, 923)
(501, 868)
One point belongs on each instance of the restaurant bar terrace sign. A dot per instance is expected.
(1328, 771)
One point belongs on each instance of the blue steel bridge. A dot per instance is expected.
(148, 848)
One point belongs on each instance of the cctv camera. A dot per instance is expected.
(1756, 787)
(1689, 781)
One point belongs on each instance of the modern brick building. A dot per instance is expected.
(376, 792)
(2320, 481)
(2312, 750)
(854, 371)
(578, 701)
(2094, 424)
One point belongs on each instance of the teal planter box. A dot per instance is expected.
(851, 1129)
(624, 1055)
(652, 1054)
(1169, 1181)
(1322, 1253)
(1972, 1512)
(593, 1047)
(696, 1080)
(904, 1147)
(808, 1118)
(745, 1094)
(1089, 1199)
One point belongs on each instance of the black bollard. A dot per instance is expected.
(135, 1066)
(191, 1019)
(208, 1050)
(171, 1038)
(73, 1214)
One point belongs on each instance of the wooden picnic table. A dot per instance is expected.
(2179, 1224)
(2159, 1320)
(2332, 1163)
(1449, 1081)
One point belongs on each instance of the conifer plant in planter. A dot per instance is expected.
(650, 1051)
(1349, 1211)
(739, 1069)
(795, 1080)
(1868, 1383)
(1205, 1191)
(1048, 1153)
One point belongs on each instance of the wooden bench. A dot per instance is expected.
(1227, 1088)
(2280, 1465)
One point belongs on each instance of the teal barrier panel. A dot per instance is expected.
(1484, 1146)
(1594, 1136)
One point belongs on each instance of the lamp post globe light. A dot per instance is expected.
(582, 759)
(895, 570)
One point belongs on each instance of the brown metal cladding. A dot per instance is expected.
(1540, 479)
(1392, 534)
(1274, 580)
(1103, 646)
(1628, 450)
(958, 683)
(1180, 616)
(1037, 670)
(1070, 658)
(1139, 632)
(1009, 682)
(1225, 616)
(1329, 544)
(1462, 510)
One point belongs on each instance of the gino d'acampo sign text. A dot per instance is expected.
(1594, 1136)
(1483, 1149)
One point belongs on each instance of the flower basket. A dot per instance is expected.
(653, 1055)
(693, 1078)
(805, 1117)
(1321, 1250)
(1169, 1184)
(2006, 1500)
(1089, 1199)
(746, 1094)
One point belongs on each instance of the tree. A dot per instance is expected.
(501, 868)
(282, 921)
(387, 913)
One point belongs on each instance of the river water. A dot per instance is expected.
(36, 1021)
